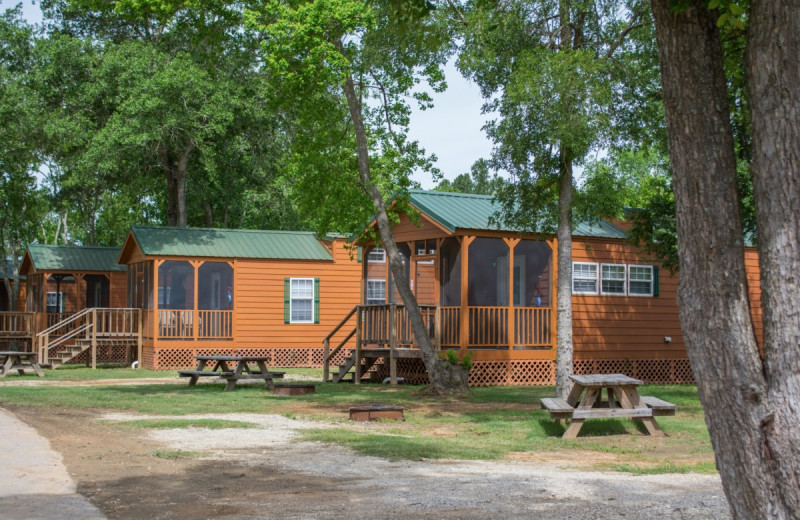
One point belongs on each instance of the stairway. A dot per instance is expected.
(347, 367)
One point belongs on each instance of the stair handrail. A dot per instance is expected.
(64, 322)
(327, 354)
(63, 339)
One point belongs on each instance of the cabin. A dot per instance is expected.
(228, 291)
(490, 291)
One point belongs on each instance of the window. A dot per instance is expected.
(302, 300)
(640, 280)
(584, 278)
(55, 302)
(377, 254)
(376, 292)
(612, 279)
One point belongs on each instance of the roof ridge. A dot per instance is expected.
(451, 194)
(76, 246)
(226, 230)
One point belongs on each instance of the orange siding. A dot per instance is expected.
(754, 290)
(407, 231)
(625, 327)
(259, 302)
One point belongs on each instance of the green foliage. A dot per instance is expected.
(455, 358)
(479, 181)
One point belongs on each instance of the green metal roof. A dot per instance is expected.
(229, 243)
(75, 258)
(468, 211)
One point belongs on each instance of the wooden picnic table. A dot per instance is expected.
(19, 361)
(623, 400)
(221, 367)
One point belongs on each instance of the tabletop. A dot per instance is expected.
(605, 380)
(16, 353)
(233, 358)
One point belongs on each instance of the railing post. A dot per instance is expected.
(357, 376)
(140, 313)
(94, 338)
(393, 343)
(326, 349)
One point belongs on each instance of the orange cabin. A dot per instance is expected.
(226, 291)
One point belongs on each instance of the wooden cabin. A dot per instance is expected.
(491, 291)
(61, 282)
(223, 291)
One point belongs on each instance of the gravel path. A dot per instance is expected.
(369, 486)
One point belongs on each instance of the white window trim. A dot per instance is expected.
(652, 281)
(292, 299)
(59, 301)
(624, 280)
(366, 296)
(596, 277)
(375, 250)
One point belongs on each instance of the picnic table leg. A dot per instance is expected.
(630, 398)
(267, 375)
(38, 369)
(575, 425)
(240, 366)
(201, 364)
(6, 366)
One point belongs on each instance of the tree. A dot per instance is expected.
(351, 61)
(479, 180)
(174, 89)
(553, 72)
(22, 205)
(750, 401)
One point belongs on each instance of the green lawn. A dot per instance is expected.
(488, 423)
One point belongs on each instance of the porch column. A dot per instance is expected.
(511, 243)
(195, 315)
(554, 296)
(464, 335)
(154, 294)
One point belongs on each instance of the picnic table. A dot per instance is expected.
(231, 368)
(623, 400)
(19, 361)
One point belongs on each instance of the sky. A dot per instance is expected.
(451, 129)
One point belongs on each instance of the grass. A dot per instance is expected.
(489, 423)
(105, 371)
(211, 424)
(175, 454)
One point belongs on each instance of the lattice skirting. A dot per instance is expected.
(178, 359)
(483, 373)
(108, 353)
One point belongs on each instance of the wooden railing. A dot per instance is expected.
(181, 323)
(377, 319)
(54, 318)
(532, 326)
(90, 324)
(17, 324)
(488, 326)
(327, 353)
(450, 325)
(215, 324)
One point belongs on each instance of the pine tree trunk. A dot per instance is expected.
(564, 346)
(444, 377)
(741, 414)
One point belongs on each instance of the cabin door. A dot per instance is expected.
(97, 291)
(425, 282)
(519, 280)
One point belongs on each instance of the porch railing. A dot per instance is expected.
(182, 324)
(89, 325)
(17, 324)
(532, 327)
(376, 321)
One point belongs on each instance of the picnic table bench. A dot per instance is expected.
(221, 368)
(19, 361)
(623, 400)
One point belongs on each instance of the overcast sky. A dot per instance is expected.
(451, 129)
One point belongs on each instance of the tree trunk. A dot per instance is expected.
(773, 73)
(742, 418)
(444, 377)
(564, 347)
(175, 173)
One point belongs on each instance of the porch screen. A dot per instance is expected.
(215, 286)
(532, 277)
(488, 273)
(451, 273)
(140, 283)
(175, 285)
